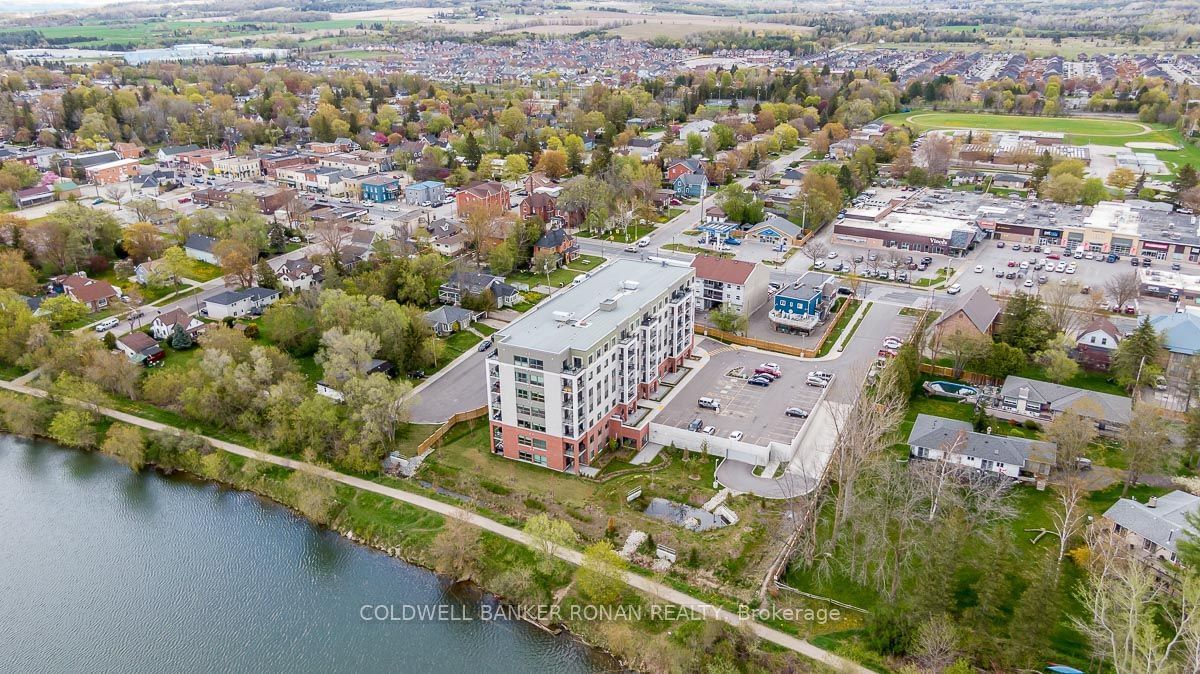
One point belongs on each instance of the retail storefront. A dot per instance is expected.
(1155, 250)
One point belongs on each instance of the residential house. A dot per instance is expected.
(801, 306)
(1180, 333)
(556, 240)
(715, 215)
(643, 148)
(448, 319)
(129, 150)
(681, 167)
(700, 127)
(1153, 529)
(141, 348)
(776, 231)
(379, 188)
(956, 442)
(200, 247)
(691, 185)
(163, 325)
(167, 155)
(727, 283)
(538, 180)
(489, 194)
(425, 193)
(446, 236)
(93, 293)
(32, 196)
(792, 178)
(1021, 397)
(461, 284)
(297, 275)
(540, 205)
(234, 303)
(1096, 344)
(973, 313)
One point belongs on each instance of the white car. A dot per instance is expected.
(827, 376)
(1071, 269)
(820, 264)
(1028, 283)
(643, 242)
(978, 269)
(708, 430)
(736, 435)
(892, 343)
(832, 255)
(816, 381)
(393, 209)
(771, 366)
(954, 289)
(1060, 267)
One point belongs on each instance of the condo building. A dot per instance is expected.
(565, 379)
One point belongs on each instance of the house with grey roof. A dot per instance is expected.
(1153, 529)
(954, 441)
(1180, 333)
(200, 247)
(447, 319)
(462, 284)
(1021, 397)
(234, 303)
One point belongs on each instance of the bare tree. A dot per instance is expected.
(961, 346)
(1062, 302)
(1123, 288)
(1128, 615)
(863, 436)
(1072, 432)
(937, 644)
(115, 193)
(1068, 513)
(938, 149)
(814, 250)
(332, 234)
(1147, 446)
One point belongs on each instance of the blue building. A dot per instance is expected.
(801, 306)
(379, 188)
(693, 185)
(428, 191)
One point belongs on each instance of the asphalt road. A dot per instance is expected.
(459, 388)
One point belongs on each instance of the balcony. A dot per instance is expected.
(798, 321)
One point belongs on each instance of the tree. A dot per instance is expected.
(266, 275)
(17, 323)
(17, 274)
(999, 361)
(1093, 191)
(1061, 302)
(728, 319)
(175, 264)
(1057, 360)
(237, 261)
(63, 310)
(1147, 446)
(501, 259)
(515, 166)
(1025, 324)
(1068, 513)
(548, 535)
(600, 576)
(143, 241)
(938, 150)
(455, 550)
(1072, 432)
(553, 163)
(1121, 178)
(962, 347)
(937, 643)
(380, 407)
(1123, 288)
(126, 443)
(181, 340)
(1064, 188)
(814, 250)
(73, 427)
(1136, 359)
(346, 354)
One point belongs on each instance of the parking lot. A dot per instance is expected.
(758, 412)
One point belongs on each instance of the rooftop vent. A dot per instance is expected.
(609, 304)
(564, 316)
(633, 285)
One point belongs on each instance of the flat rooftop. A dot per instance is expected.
(924, 224)
(574, 319)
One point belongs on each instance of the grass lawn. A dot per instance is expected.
(555, 279)
(112, 310)
(185, 293)
(11, 372)
(685, 248)
(839, 327)
(411, 435)
(1084, 379)
(586, 262)
(459, 343)
(483, 329)
(530, 301)
(202, 271)
(630, 235)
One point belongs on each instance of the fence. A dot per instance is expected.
(436, 437)
(971, 377)
(768, 345)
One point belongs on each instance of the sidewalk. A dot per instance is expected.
(574, 557)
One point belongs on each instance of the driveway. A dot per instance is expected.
(460, 387)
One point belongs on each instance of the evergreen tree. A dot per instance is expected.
(471, 152)
(1026, 324)
(266, 276)
(181, 340)
(1136, 359)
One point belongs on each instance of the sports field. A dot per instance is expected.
(1081, 126)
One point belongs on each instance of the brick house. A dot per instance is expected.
(975, 313)
(539, 204)
(93, 293)
(556, 240)
(681, 167)
(488, 194)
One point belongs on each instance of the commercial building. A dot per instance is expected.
(270, 198)
(238, 167)
(379, 188)
(908, 221)
(563, 380)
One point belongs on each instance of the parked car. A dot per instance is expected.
(107, 324)
(761, 380)
(820, 264)
(892, 343)
(774, 372)
(887, 353)
(709, 403)
(832, 255)
(1145, 262)
(1012, 263)
(1175, 266)
(485, 345)
(735, 435)
(999, 244)
(696, 425)
(827, 376)
(416, 374)
(709, 430)
(1133, 262)
(796, 412)
(816, 381)
(978, 269)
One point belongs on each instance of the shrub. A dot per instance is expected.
(495, 488)
(251, 331)
(534, 504)
(1032, 425)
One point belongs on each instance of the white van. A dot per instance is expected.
(107, 324)
(643, 242)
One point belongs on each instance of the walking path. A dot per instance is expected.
(644, 584)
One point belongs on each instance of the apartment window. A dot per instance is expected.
(537, 397)
(525, 441)
(523, 394)
(531, 363)
(539, 444)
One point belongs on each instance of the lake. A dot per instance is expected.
(104, 569)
